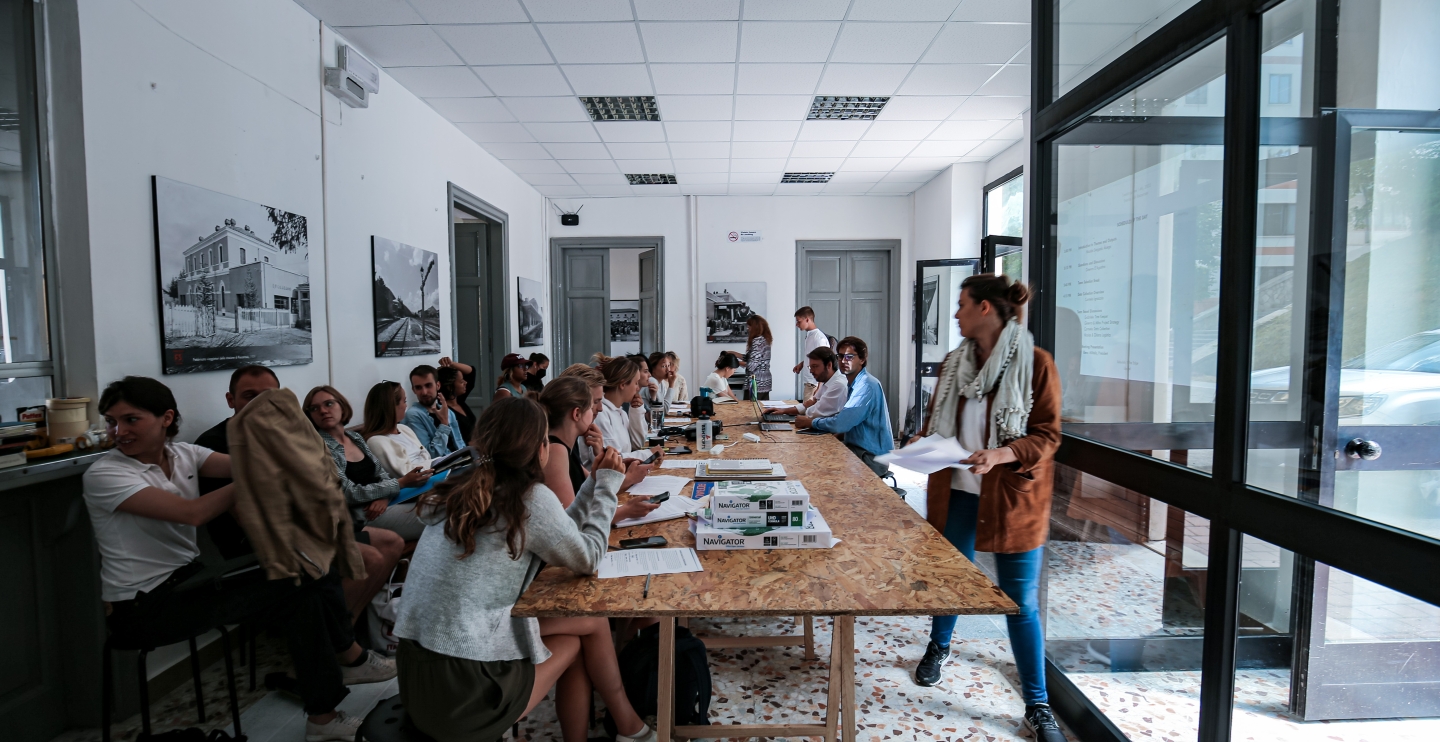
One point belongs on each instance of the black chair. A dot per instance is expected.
(114, 643)
(387, 723)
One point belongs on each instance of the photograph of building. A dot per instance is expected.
(727, 306)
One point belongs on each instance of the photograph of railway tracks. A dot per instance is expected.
(407, 299)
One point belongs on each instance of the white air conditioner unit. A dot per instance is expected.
(355, 78)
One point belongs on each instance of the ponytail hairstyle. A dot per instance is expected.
(726, 360)
(380, 406)
(618, 370)
(507, 437)
(756, 326)
(1008, 298)
(563, 395)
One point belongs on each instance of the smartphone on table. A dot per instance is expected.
(649, 542)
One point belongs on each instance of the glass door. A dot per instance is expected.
(1373, 409)
(937, 294)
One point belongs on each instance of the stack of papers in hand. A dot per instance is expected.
(928, 455)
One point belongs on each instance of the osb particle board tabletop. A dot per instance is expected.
(888, 562)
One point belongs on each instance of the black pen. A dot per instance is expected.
(646, 594)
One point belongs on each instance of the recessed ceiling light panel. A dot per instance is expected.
(847, 108)
(806, 178)
(621, 107)
(651, 178)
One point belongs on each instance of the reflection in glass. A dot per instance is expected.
(1388, 55)
(24, 333)
(1005, 208)
(1287, 63)
(1093, 33)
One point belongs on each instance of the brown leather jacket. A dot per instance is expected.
(1014, 498)
(287, 494)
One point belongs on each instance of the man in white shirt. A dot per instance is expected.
(814, 338)
(832, 393)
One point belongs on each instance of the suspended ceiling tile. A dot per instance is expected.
(589, 166)
(657, 190)
(561, 191)
(991, 11)
(973, 43)
(771, 177)
(947, 79)
(786, 41)
(898, 189)
(779, 150)
(1013, 130)
(609, 79)
(614, 190)
(645, 166)
(847, 189)
(440, 82)
(693, 79)
(925, 163)
(831, 130)
(698, 189)
(762, 79)
(992, 147)
(470, 110)
(792, 10)
(900, 130)
(593, 43)
(539, 179)
(958, 148)
(838, 148)
(913, 176)
(765, 131)
(687, 10)
(991, 107)
(862, 79)
(699, 150)
(883, 42)
(469, 11)
(703, 41)
(719, 178)
(702, 166)
(908, 10)
(855, 164)
(698, 131)
(630, 131)
(639, 150)
(400, 46)
(534, 166)
(962, 130)
(547, 109)
(772, 107)
(507, 150)
(753, 189)
(574, 151)
(563, 132)
(597, 179)
(509, 43)
(694, 107)
(552, 11)
(920, 107)
(497, 133)
(524, 80)
(799, 189)
(1014, 79)
(362, 12)
(858, 176)
(881, 149)
(757, 165)
(813, 164)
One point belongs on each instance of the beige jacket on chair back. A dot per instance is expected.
(287, 494)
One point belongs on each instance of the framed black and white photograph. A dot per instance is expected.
(624, 326)
(930, 314)
(532, 313)
(407, 299)
(727, 306)
(234, 281)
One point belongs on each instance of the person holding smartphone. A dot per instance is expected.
(431, 419)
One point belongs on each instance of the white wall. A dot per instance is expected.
(948, 213)
(230, 99)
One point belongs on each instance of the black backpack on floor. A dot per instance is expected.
(640, 668)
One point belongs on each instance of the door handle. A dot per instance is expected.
(1359, 448)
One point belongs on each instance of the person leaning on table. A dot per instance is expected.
(1000, 396)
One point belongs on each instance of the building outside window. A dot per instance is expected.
(1004, 215)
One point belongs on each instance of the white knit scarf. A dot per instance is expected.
(1008, 371)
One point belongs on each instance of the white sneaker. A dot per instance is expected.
(342, 728)
(375, 669)
(646, 734)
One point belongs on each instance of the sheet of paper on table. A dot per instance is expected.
(675, 507)
(927, 455)
(680, 464)
(657, 483)
(773, 403)
(641, 562)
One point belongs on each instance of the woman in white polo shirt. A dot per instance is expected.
(144, 501)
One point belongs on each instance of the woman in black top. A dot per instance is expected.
(570, 404)
(456, 381)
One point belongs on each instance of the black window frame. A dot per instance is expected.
(1368, 549)
(991, 244)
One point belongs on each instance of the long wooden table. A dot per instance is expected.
(888, 562)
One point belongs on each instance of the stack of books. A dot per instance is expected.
(13, 439)
(759, 515)
(751, 469)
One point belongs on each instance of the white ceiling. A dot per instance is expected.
(733, 81)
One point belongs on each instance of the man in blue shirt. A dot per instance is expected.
(431, 419)
(865, 419)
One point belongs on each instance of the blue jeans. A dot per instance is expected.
(1019, 577)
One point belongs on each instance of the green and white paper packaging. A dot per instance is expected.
(758, 497)
(753, 519)
(815, 535)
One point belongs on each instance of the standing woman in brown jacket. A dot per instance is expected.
(1000, 396)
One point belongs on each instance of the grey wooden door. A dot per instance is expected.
(850, 291)
(586, 292)
(649, 303)
(479, 316)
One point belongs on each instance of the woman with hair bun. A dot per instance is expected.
(718, 382)
(1000, 396)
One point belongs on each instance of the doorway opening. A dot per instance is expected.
(608, 294)
(478, 266)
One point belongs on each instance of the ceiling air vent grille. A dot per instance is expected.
(806, 178)
(847, 108)
(651, 178)
(621, 107)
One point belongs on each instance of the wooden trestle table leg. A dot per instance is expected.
(845, 625)
(665, 682)
(809, 636)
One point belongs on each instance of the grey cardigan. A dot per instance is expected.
(358, 495)
(461, 607)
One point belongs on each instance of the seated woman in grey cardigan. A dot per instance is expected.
(468, 669)
(367, 485)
